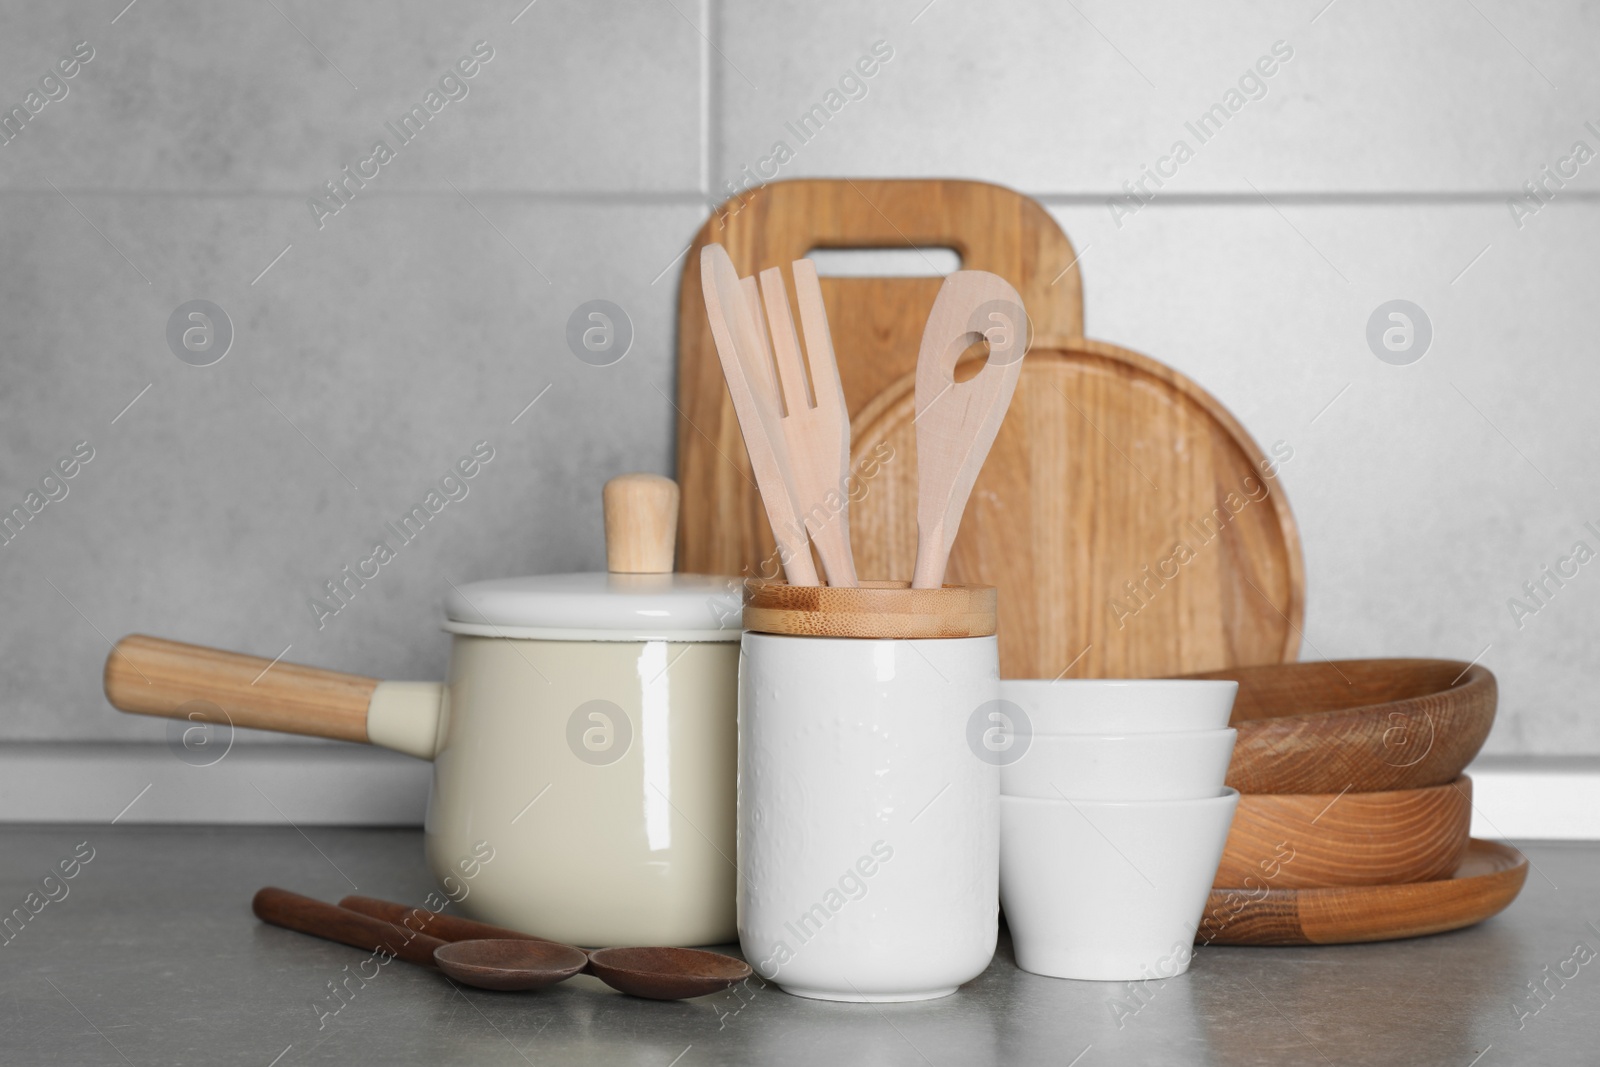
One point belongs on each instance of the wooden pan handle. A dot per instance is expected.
(150, 676)
(308, 916)
(445, 927)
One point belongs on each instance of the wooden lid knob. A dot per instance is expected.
(641, 523)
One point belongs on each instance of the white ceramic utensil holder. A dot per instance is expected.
(868, 827)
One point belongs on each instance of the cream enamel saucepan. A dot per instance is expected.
(586, 738)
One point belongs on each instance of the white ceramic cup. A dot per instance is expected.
(868, 827)
(1109, 891)
(1120, 706)
(1187, 765)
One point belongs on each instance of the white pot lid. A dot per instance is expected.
(599, 607)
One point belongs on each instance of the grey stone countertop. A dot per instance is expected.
(153, 957)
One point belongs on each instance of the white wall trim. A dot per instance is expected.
(1517, 797)
(306, 784)
(1551, 798)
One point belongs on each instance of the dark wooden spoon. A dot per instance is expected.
(432, 923)
(666, 973)
(292, 911)
(653, 973)
(509, 963)
(483, 964)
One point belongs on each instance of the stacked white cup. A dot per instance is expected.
(1113, 817)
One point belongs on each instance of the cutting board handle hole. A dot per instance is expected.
(933, 261)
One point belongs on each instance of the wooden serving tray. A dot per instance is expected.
(1103, 464)
(1490, 876)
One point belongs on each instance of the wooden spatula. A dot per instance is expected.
(957, 421)
(742, 352)
(814, 422)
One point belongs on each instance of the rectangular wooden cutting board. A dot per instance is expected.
(876, 322)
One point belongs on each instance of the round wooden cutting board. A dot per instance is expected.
(1132, 528)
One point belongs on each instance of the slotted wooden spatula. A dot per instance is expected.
(815, 425)
(957, 421)
(748, 371)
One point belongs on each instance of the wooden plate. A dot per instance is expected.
(1362, 725)
(1309, 840)
(1489, 877)
(1132, 527)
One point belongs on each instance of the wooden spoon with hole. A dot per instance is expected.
(957, 421)
(653, 973)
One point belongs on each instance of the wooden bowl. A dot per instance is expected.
(1314, 840)
(1362, 724)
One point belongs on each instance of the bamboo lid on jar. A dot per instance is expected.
(872, 610)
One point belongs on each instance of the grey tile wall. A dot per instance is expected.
(1077, 98)
(247, 97)
(371, 350)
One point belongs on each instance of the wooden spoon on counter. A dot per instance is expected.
(496, 964)
(653, 973)
(957, 421)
